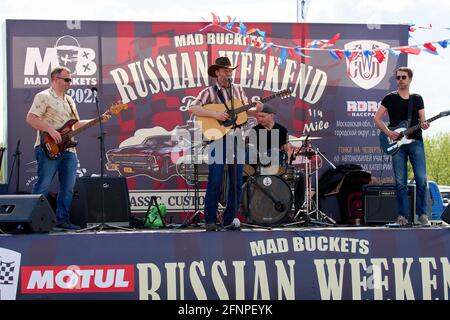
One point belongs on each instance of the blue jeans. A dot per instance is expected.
(66, 166)
(213, 188)
(416, 153)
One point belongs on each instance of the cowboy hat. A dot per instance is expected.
(221, 62)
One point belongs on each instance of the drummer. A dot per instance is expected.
(275, 136)
(269, 136)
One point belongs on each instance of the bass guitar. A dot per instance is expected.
(54, 150)
(214, 129)
(390, 146)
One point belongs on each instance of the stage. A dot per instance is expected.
(301, 263)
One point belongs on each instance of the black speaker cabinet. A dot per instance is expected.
(380, 203)
(446, 214)
(26, 212)
(88, 201)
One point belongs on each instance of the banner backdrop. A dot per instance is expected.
(155, 69)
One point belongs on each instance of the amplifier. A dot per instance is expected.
(380, 203)
(89, 209)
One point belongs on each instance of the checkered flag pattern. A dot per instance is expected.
(6, 272)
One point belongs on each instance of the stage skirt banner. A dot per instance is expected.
(306, 264)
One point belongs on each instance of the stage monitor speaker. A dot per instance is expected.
(87, 201)
(446, 214)
(380, 203)
(27, 213)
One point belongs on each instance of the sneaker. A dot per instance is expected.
(211, 227)
(423, 220)
(235, 225)
(67, 226)
(401, 220)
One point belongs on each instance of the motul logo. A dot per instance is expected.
(104, 278)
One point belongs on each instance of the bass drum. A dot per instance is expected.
(266, 200)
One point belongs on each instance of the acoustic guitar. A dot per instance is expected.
(214, 129)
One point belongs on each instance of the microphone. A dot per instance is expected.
(94, 91)
(292, 158)
(230, 80)
(306, 139)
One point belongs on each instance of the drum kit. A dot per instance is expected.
(272, 191)
(267, 197)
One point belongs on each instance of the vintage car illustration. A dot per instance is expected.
(151, 152)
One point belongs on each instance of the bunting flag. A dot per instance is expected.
(254, 37)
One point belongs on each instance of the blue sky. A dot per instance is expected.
(431, 72)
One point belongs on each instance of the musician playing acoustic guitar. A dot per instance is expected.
(50, 110)
(396, 104)
(218, 94)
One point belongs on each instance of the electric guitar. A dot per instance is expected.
(214, 129)
(390, 146)
(54, 150)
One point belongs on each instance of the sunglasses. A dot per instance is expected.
(65, 79)
(402, 77)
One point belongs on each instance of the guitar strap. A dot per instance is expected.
(221, 97)
(71, 108)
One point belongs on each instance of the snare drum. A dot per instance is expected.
(291, 174)
(277, 169)
(315, 162)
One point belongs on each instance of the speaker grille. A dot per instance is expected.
(380, 203)
(89, 206)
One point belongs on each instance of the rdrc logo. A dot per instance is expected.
(67, 52)
(362, 108)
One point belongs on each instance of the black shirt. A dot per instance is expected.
(282, 135)
(397, 108)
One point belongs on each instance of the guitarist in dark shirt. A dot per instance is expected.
(50, 110)
(396, 105)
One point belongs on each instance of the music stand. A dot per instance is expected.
(102, 224)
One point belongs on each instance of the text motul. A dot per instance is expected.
(56, 279)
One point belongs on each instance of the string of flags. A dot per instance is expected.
(254, 37)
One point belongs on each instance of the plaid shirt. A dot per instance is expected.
(209, 95)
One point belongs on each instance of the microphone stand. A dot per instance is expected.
(104, 184)
(233, 115)
(322, 155)
(16, 156)
(195, 218)
(320, 217)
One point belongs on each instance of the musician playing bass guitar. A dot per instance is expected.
(397, 105)
(50, 110)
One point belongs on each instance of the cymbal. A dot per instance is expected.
(304, 138)
(308, 154)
